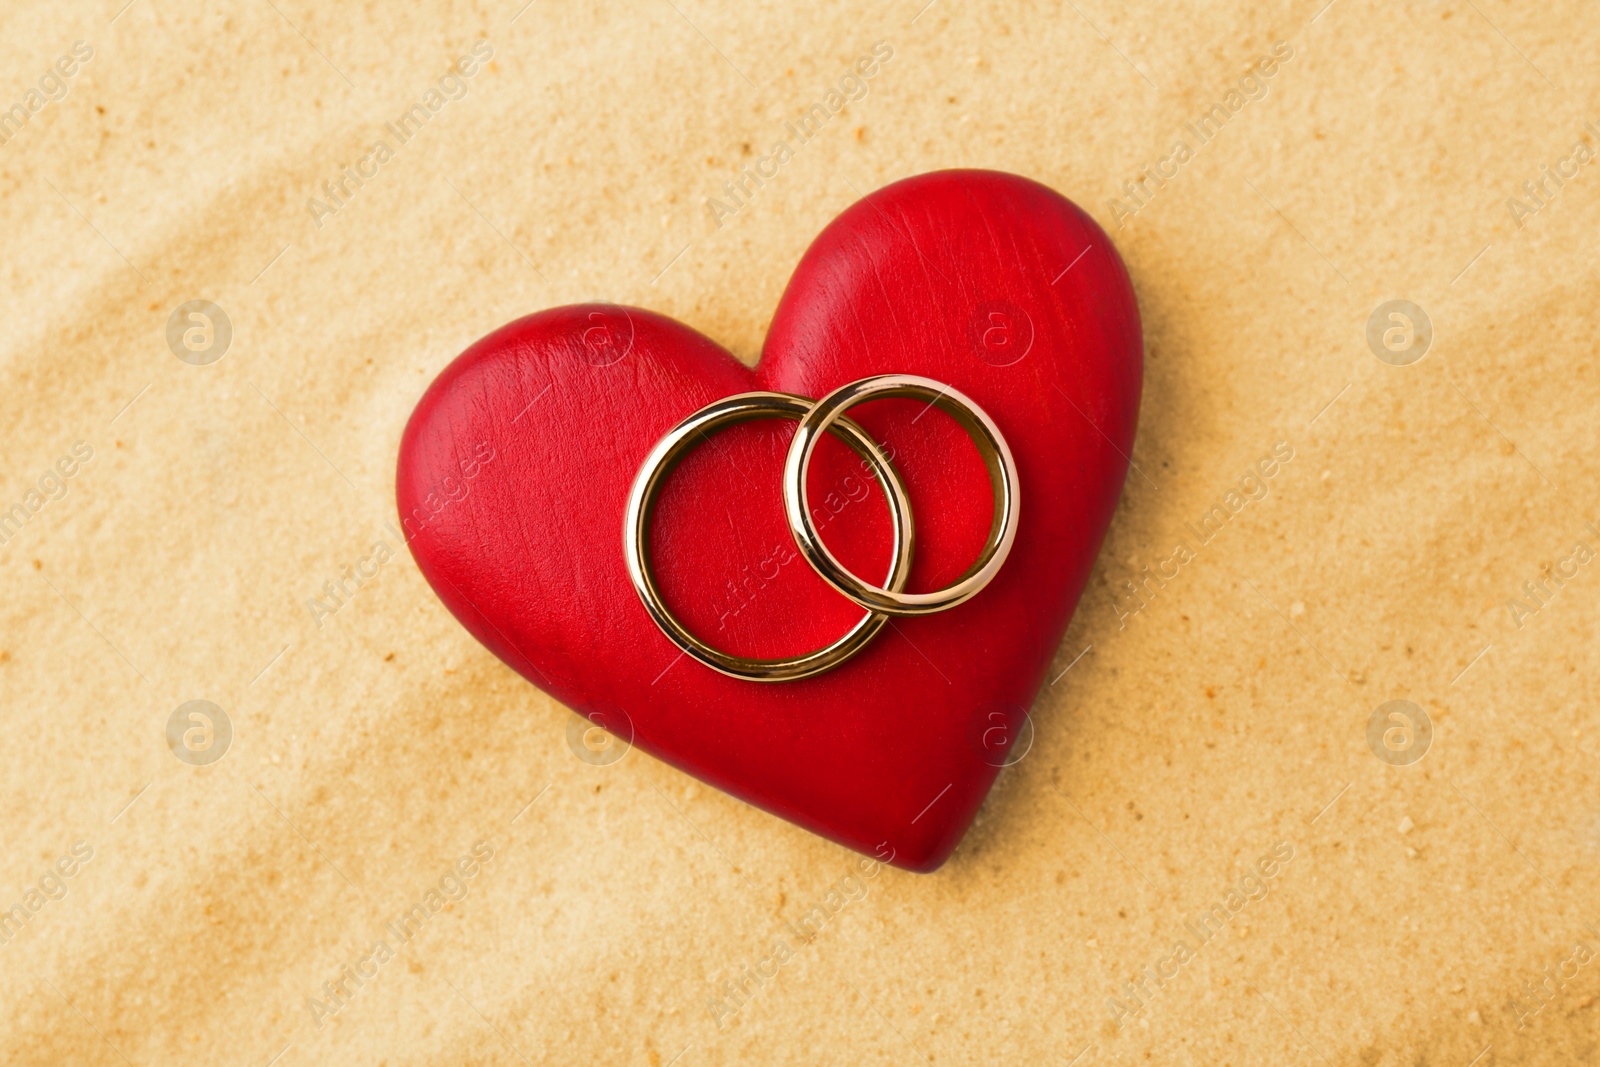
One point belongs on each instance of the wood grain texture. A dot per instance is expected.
(959, 276)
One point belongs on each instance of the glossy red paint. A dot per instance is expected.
(990, 282)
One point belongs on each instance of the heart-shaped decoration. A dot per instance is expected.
(515, 468)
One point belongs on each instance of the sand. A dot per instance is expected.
(1205, 742)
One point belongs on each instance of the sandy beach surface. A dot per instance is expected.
(1353, 715)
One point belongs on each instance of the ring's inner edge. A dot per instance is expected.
(899, 562)
(982, 439)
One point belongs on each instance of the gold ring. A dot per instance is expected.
(641, 506)
(996, 456)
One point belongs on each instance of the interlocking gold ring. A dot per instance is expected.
(828, 412)
(641, 506)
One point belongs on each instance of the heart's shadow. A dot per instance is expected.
(1064, 760)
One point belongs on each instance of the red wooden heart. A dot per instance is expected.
(515, 468)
